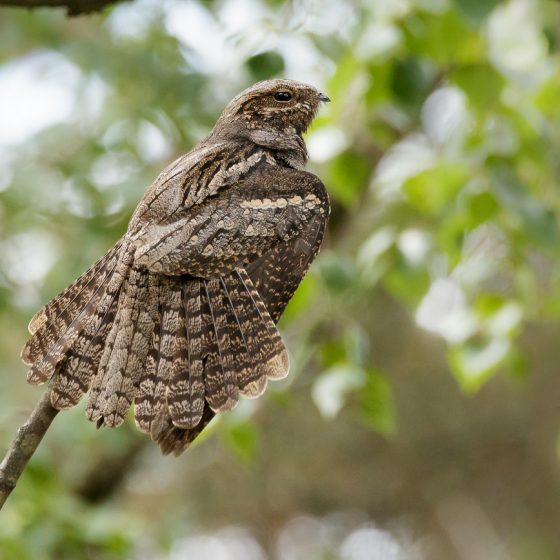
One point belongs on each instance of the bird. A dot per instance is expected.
(178, 319)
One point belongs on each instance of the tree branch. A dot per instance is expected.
(24, 445)
(73, 7)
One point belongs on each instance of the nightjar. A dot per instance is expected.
(179, 317)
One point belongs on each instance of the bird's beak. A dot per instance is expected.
(324, 98)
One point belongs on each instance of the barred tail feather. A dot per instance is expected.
(212, 341)
(180, 348)
(93, 410)
(185, 393)
(77, 371)
(151, 409)
(222, 391)
(48, 313)
(72, 322)
(264, 344)
(175, 440)
(128, 355)
(251, 376)
(277, 363)
(148, 386)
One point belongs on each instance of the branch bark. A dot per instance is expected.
(24, 445)
(73, 7)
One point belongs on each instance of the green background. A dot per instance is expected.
(422, 414)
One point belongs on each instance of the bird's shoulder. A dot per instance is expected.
(203, 172)
(192, 177)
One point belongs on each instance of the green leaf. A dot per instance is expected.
(266, 65)
(482, 206)
(475, 362)
(482, 85)
(243, 440)
(379, 84)
(434, 189)
(336, 271)
(303, 298)
(487, 304)
(547, 98)
(348, 176)
(332, 388)
(407, 282)
(377, 406)
(444, 38)
(477, 10)
(538, 223)
(518, 364)
(410, 81)
(333, 352)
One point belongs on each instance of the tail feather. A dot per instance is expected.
(268, 355)
(129, 352)
(243, 363)
(175, 440)
(212, 358)
(277, 363)
(149, 385)
(77, 371)
(185, 393)
(251, 377)
(180, 348)
(212, 342)
(222, 391)
(58, 314)
(48, 313)
(98, 303)
(151, 409)
(172, 302)
(94, 408)
(235, 323)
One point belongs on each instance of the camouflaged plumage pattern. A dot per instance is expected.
(179, 316)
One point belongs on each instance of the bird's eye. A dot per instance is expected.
(282, 96)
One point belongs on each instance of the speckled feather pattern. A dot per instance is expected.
(179, 317)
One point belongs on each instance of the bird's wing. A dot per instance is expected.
(268, 210)
(278, 272)
(192, 179)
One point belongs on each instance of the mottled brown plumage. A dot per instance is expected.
(179, 317)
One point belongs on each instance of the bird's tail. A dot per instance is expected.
(181, 348)
(213, 341)
(83, 309)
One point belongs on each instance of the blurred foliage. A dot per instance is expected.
(440, 153)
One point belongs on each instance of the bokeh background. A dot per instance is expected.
(421, 420)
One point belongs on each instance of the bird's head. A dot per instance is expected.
(272, 113)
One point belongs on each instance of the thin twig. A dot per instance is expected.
(73, 7)
(24, 445)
